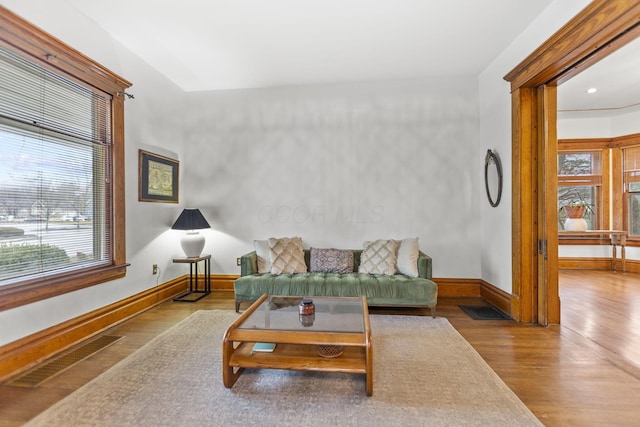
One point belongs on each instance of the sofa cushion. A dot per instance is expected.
(264, 255)
(397, 290)
(287, 256)
(331, 261)
(379, 257)
(407, 262)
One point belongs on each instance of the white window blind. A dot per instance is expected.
(631, 157)
(631, 176)
(54, 169)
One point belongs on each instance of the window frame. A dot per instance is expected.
(604, 217)
(614, 203)
(591, 180)
(29, 41)
(628, 141)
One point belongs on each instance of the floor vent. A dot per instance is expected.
(41, 373)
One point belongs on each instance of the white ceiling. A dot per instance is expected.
(235, 44)
(231, 44)
(617, 78)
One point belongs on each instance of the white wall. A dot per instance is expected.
(338, 165)
(571, 127)
(626, 123)
(154, 121)
(589, 125)
(334, 164)
(495, 133)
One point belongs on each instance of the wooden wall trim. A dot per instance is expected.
(576, 144)
(55, 54)
(591, 35)
(474, 288)
(547, 306)
(624, 140)
(20, 355)
(496, 297)
(524, 206)
(222, 282)
(573, 144)
(448, 287)
(17, 356)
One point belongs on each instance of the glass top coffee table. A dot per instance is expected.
(336, 338)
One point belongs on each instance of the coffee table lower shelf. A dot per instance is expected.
(302, 357)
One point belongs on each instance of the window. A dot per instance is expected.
(53, 169)
(580, 179)
(61, 196)
(631, 181)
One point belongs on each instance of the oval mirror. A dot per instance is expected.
(493, 177)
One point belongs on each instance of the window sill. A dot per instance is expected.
(21, 293)
(595, 237)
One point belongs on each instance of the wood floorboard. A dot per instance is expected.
(585, 372)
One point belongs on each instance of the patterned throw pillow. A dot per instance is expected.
(264, 255)
(407, 262)
(287, 256)
(331, 261)
(379, 257)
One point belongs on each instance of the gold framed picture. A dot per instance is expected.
(157, 178)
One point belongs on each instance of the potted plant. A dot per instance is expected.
(574, 209)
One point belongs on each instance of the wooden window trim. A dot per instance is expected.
(28, 40)
(598, 181)
(612, 148)
(583, 144)
(627, 141)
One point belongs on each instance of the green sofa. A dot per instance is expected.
(397, 290)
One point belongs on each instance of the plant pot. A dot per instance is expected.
(575, 224)
(575, 211)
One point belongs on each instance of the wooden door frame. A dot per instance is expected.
(597, 31)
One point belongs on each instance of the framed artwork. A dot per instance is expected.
(157, 178)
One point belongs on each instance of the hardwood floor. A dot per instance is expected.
(585, 372)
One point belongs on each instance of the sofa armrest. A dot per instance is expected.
(249, 264)
(424, 265)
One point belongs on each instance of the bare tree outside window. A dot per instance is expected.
(580, 181)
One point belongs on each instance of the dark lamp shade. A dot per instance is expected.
(190, 219)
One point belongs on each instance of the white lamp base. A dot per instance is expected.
(192, 244)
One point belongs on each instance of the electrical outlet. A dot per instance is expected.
(238, 261)
(155, 268)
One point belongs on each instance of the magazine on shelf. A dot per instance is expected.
(264, 347)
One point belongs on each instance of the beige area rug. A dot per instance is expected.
(425, 374)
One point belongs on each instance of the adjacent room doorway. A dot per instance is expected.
(599, 30)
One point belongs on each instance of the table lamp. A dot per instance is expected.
(192, 241)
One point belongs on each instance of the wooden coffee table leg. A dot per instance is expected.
(229, 377)
(368, 351)
(369, 367)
